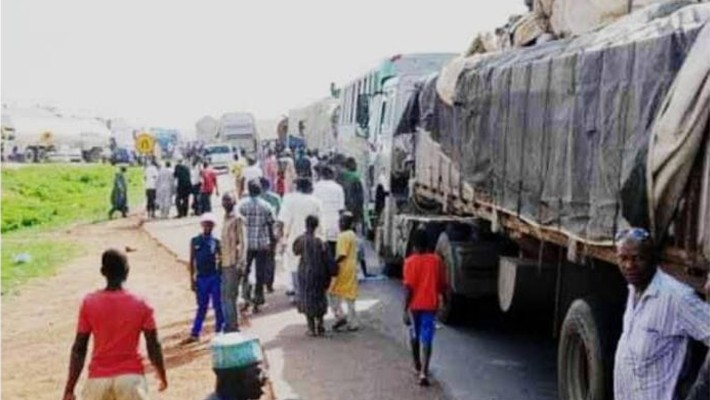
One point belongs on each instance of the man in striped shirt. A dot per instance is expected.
(661, 316)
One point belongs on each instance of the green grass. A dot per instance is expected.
(46, 255)
(38, 199)
(51, 196)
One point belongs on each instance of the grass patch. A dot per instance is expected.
(46, 254)
(37, 199)
(51, 196)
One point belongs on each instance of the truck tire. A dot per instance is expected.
(449, 312)
(30, 155)
(586, 352)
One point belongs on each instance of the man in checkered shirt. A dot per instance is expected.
(259, 220)
(661, 315)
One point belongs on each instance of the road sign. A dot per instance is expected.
(145, 144)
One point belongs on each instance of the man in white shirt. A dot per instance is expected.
(295, 208)
(331, 194)
(661, 315)
(250, 173)
(150, 177)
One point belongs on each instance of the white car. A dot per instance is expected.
(220, 156)
(65, 154)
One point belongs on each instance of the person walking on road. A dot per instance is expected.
(165, 190)
(271, 167)
(344, 288)
(332, 196)
(250, 173)
(195, 180)
(423, 283)
(354, 193)
(205, 280)
(294, 210)
(119, 194)
(661, 315)
(115, 318)
(208, 185)
(259, 220)
(287, 166)
(275, 202)
(238, 173)
(314, 275)
(303, 165)
(150, 178)
(233, 252)
(184, 188)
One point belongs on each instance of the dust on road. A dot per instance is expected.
(39, 325)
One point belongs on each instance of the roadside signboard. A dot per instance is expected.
(145, 144)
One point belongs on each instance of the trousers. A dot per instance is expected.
(121, 387)
(205, 202)
(150, 206)
(208, 288)
(230, 293)
(336, 305)
(182, 200)
(196, 206)
(261, 261)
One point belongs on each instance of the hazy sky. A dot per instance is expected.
(170, 62)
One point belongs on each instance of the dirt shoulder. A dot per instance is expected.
(39, 322)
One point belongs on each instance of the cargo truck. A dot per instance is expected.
(368, 103)
(523, 165)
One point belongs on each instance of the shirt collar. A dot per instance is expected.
(654, 288)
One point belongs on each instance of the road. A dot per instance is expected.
(489, 357)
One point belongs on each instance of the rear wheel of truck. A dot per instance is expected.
(450, 306)
(30, 155)
(585, 352)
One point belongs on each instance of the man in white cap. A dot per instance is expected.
(205, 279)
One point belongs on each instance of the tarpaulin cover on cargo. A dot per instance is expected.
(559, 133)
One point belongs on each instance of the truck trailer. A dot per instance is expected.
(524, 164)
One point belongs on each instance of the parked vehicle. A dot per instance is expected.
(123, 155)
(371, 102)
(541, 156)
(220, 156)
(316, 124)
(65, 154)
(239, 130)
(35, 133)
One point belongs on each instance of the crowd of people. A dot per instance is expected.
(313, 220)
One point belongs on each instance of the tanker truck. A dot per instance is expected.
(524, 164)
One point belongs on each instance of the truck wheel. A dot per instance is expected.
(585, 353)
(30, 155)
(450, 305)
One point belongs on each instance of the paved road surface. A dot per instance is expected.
(488, 358)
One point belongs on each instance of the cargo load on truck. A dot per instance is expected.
(566, 135)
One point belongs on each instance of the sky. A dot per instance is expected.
(168, 63)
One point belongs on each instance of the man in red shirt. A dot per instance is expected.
(208, 179)
(423, 283)
(115, 317)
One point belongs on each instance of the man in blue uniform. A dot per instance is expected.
(204, 276)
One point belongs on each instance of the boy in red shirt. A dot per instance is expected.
(116, 318)
(423, 283)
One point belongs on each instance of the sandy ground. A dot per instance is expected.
(38, 326)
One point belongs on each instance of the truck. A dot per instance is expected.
(316, 123)
(238, 129)
(33, 134)
(523, 165)
(372, 100)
